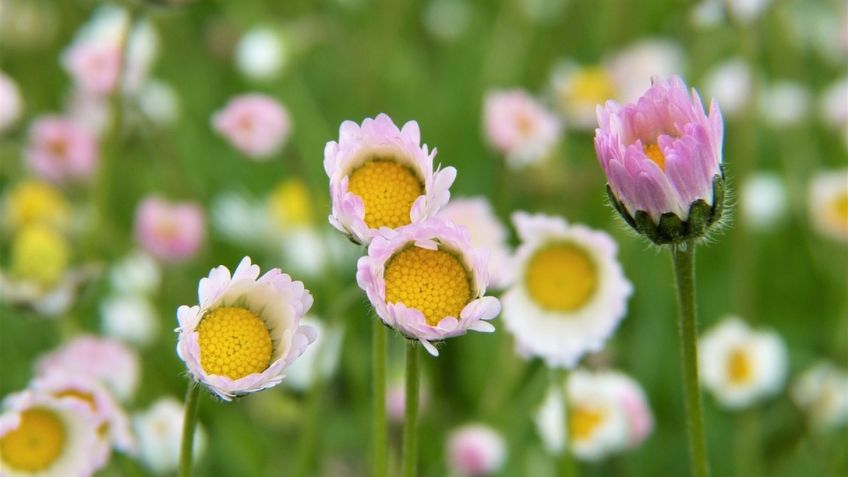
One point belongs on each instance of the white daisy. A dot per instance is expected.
(159, 431)
(763, 200)
(822, 392)
(131, 318)
(569, 293)
(828, 203)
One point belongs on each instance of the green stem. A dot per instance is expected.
(410, 423)
(189, 425)
(567, 466)
(683, 256)
(747, 447)
(380, 437)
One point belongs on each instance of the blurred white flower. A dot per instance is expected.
(822, 392)
(746, 11)
(633, 66)
(827, 201)
(239, 219)
(130, 318)
(707, 14)
(741, 366)
(447, 20)
(137, 273)
(159, 101)
(319, 360)
(784, 103)
(731, 84)
(763, 200)
(11, 103)
(261, 54)
(159, 431)
(833, 107)
(475, 450)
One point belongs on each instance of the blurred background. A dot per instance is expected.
(777, 68)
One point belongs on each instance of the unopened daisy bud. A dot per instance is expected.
(518, 126)
(822, 392)
(662, 159)
(827, 201)
(245, 331)
(35, 202)
(11, 104)
(159, 431)
(475, 450)
(741, 366)
(426, 281)
(570, 292)
(382, 177)
(170, 231)
(61, 150)
(41, 435)
(255, 124)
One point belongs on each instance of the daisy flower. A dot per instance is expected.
(427, 282)
(170, 231)
(10, 98)
(261, 54)
(245, 331)
(763, 200)
(61, 150)
(822, 392)
(520, 127)
(255, 124)
(741, 366)
(32, 201)
(569, 293)
(382, 177)
(827, 201)
(43, 435)
(475, 450)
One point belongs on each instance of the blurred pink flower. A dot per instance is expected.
(255, 124)
(662, 153)
(517, 125)
(475, 450)
(61, 150)
(170, 231)
(94, 66)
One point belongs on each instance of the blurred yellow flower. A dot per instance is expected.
(39, 254)
(290, 204)
(31, 202)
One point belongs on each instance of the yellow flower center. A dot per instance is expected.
(654, 153)
(561, 277)
(40, 255)
(589, 86)
(36, 443)
(36, 202)
(433, 282)
(583, 422)
(740, 369)
(388, 190)
(290, 204)
(234, 342)
(839, 209)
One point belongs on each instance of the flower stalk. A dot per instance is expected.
(410, 425)
(189, 425)
(380, 439)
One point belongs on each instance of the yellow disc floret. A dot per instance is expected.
(290, 204)
(433, 282)
(36, 443)
(583, 422)
(839, 210)
(588, 87)
(740, 369)
(40, 255)
(234, 342)
(32, 202)
(388, 190)
(655, 154)
(561, 277)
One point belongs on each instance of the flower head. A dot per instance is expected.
(662, 159)
(822, 392)
(382, 177)
(35, 202)
(517, 125)
(170, 231)
(475, 450)
(159, 430)
(828, 203)
(255, 124)
(245, 331)
(44, 435)
(741, 366)
(261, 54)
(426, 281)
(61, 150)
(569, 292)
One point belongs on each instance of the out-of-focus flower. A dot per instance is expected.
(833, 107)
(105, 360)
(607, 412)
(94, 57)
(578, 90)
(822, 392)
(707, 14)
(130, 318)
(569, 293)
(784, 103)
(135, 274)
(426, 281)
(170, 231)
(41, 435)
(382, 177)
(517, 125)
(741, 366)
(255, 124)
(731, 84)
(261, 54)
(159, 432)
(239, 219)
(746, 11)
(634, 66)
(11, 103)
(113, 423)
(487, 233)
(60, 150)
(763, 200)
(475, 450)
(89, 110)
(827, 201)
(159, 101)
(662, 158)
(447, 20)
(32, 202)
(320, 360)
(396, 399)
(245, 331)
